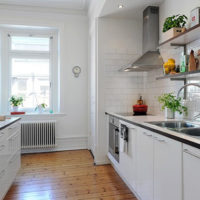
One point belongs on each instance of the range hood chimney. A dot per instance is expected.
(151, 58)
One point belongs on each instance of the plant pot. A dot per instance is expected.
(172, 33)
(15, 108)
(169, 114)
(40, 109)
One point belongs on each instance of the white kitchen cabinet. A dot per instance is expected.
(167, 168)
(145, 164)
(128, 159)
(191, 173)
(10, 156)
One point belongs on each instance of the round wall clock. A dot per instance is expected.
(76, 70)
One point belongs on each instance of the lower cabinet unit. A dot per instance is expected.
(145, 164)
(10, 156)
(167, 168)
(128, 159)
(157, 167)
(191, 173)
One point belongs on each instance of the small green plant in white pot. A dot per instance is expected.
(15, 102)
(41, 107)
(171, 104)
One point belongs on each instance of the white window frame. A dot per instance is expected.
(6, 57)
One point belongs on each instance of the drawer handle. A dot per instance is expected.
(149, 135)
(191, 153)
(2, 173)
(160, 140)
(2, 147)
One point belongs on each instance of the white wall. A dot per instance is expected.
(73, 33)
(119, 42)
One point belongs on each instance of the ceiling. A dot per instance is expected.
(62, 4)
(131, 9)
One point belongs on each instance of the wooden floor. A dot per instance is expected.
(67, 175)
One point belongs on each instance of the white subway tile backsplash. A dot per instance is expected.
(122, 89)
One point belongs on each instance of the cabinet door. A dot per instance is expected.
(191, 173)
(167, 168)
(145, 164)
(128, 160)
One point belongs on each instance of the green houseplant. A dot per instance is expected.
(15, 102)
(41, 107)
(173, 26)
(171, 104)
(175, 21)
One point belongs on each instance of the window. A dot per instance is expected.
(30, 61)
(31, 66)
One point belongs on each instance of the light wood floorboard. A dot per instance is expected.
(68, 175)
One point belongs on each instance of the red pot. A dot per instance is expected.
(140, 109)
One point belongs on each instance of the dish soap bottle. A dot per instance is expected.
(192, 62)
(140, 101)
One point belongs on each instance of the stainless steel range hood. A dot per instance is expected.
(151, 59)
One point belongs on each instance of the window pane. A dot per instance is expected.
(29, 43)
(30, 79)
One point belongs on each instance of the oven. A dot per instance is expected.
(114, 137)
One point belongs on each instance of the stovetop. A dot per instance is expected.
(130, 114)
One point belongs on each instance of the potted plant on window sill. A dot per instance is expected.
(171, 104)
(41, 107)
(173, 26)
(16, 102)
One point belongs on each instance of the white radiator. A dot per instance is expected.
(38, 134)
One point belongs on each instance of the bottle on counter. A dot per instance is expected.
(140, 101)
(192, 62)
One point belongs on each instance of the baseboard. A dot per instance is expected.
(102, 162)
(63, 144)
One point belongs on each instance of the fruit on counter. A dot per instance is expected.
(169, 66)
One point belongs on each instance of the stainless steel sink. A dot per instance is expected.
(191, 131)
(184, 127)
(174, 124)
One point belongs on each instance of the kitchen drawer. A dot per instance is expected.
(14, 143)
(13, 128)
(3, 134)
(13, 167)
(3, 154)
(3, 185)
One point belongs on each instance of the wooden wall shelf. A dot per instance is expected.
(184, 38)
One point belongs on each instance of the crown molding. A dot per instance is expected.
(38, 9)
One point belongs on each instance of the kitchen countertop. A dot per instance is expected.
(142, 121)
(8, 122)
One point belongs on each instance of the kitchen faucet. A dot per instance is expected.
(185, 86)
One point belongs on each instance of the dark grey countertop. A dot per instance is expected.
(8, 122)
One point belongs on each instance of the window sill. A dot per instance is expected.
(38, 115)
